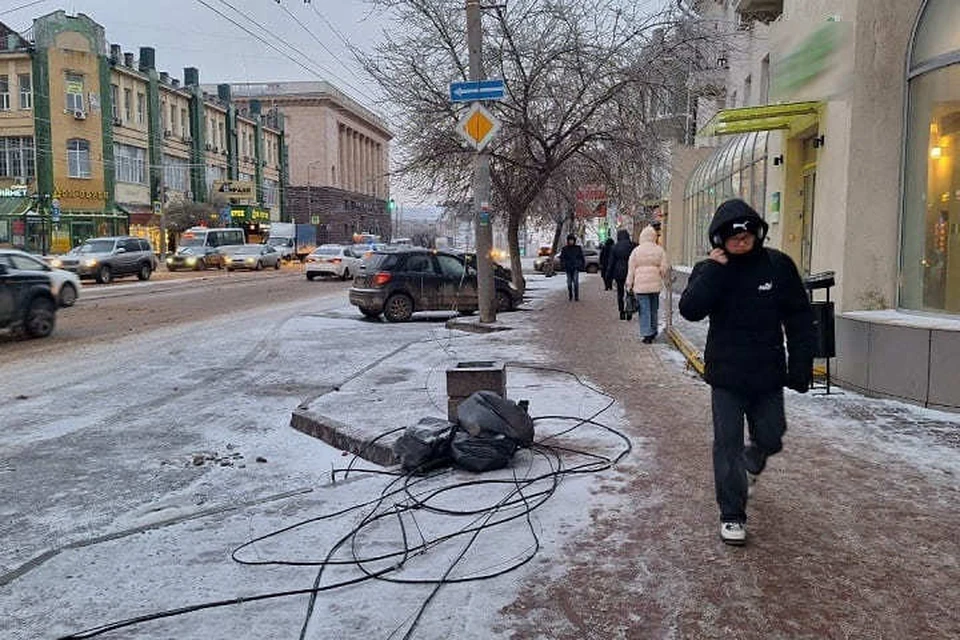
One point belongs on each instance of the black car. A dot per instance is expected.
(400, 282)
(27, 303)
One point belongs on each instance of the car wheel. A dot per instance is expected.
(144, 273)
(40, 318)
(201, 265)
(346, 274)
(259, 266)
(311, 276)
(504, 301)
(230, 269)
(399, 308)
(370, 313)
(68, 295)
(276, 265)
(104, 275)
(592, 268)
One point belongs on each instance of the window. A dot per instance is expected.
(74, 91)
(17, 158)
(128, 105)
(131, 245)
(175, 173)
(26, 91)
(130, 163)
(78, 158)
(221, 139)
(141, 108)
(184, 123)
(271, 189)
(419, 263)
(115, 101)
(450, 267)
(163, 116)
(4, 93)
(930, 233)
(173, 118)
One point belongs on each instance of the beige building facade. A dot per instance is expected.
(838, 122)
(339, 156)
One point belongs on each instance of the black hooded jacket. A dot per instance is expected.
(751, 301)
(619, 256)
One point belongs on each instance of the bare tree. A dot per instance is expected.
(573, 69)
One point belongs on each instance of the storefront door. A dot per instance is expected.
(809, 197)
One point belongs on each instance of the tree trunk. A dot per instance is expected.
(513, 242)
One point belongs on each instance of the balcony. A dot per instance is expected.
(761, 10)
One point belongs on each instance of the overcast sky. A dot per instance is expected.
(186, 33)
(289, 40)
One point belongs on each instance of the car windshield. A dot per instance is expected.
(96, 246)
(191, 241)
(276, 242)
(327, 251)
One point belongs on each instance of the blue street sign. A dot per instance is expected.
(476, 90)
(55, 210)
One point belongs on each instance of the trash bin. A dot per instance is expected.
(822, 313)
(826, 344)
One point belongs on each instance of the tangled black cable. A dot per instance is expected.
(406, 500)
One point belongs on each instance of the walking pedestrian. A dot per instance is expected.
(617, 266)
(646, 270)
(604, 260)
(572, 261)
(752, 295)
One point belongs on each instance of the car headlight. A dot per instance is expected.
(56, 262)
(92, 262)
(227, 259)
(170, 260)
(191, 261)
(249, 260)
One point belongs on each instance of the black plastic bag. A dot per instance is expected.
(482, 452)
(425, 445)
(486, 412)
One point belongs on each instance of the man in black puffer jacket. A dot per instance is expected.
(616, 269)
(752, 295)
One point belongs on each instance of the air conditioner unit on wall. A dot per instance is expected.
(79, 115)
(167, 133)
(118, 121)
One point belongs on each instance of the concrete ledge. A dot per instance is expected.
(345, 437)
(474, 325)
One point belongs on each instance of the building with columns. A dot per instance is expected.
(339, 157)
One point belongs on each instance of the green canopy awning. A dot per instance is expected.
(762, 118)
(15, 206)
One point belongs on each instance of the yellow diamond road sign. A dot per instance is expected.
(478, 126)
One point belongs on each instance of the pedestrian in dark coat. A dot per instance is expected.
(617, 266)
(573, 262)
(604, 261)
(752, 295)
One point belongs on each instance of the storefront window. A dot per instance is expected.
(930, 233)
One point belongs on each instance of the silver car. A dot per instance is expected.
(107, 258)
(64, 284)
(250, 256)
(333, 260)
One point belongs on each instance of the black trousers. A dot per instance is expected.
(766, 424)
(621, 284)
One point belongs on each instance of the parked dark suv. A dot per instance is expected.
(107, 258)
(26, 302)
(400, 282)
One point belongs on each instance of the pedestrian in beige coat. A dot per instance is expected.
(646, 270)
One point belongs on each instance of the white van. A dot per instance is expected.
(199, 247)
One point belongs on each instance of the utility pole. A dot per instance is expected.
(481, 181)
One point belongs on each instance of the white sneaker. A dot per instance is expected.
(751, 483)
(733, 533)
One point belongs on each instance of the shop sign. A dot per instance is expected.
(591, 201)
(240, 189)
(14, 191)
(77, 194)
